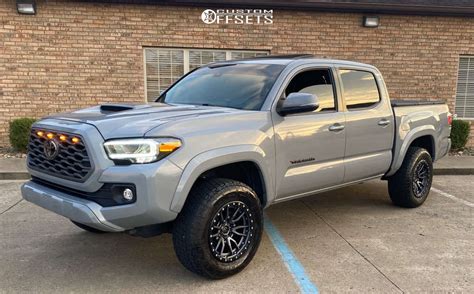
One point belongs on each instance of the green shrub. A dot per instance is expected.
(459, 134)
(20, 132)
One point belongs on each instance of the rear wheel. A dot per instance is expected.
(411, 184)
(87, 228)
(218, 231)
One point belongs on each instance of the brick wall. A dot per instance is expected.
(72, 55)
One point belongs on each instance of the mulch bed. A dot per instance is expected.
(8, 152)
(463, 152)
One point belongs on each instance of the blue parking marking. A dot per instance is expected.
(292, 263)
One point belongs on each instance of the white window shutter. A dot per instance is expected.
(464, 107)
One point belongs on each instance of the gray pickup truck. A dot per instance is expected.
(226, 141)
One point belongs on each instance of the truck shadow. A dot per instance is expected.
(70, 256)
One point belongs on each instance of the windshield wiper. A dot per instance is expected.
(215, 105)
(208, 104)
(217, 65)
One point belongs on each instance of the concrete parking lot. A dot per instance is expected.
(348, 240)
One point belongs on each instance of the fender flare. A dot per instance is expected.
(219, 157)
(411, 136)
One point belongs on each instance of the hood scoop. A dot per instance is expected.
(115, 107)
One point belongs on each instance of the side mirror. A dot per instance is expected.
(298, 103)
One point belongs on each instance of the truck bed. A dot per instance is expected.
(419, 117)
(398, 103)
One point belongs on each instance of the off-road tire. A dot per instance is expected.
(192, 235)
(402, 187)
(88, 229)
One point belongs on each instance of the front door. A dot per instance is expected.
(310, 146)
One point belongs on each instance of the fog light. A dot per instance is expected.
(128, 194)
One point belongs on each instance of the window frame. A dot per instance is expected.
(456, 91)
(285, 84)
(341, 86)
(186, 64)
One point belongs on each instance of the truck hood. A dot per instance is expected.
(135, 120)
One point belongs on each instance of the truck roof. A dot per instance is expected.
(294, 58)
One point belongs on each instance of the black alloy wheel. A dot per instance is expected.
(231, 231)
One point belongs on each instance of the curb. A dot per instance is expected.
(437, 172)
(14, 176)
(453, 171)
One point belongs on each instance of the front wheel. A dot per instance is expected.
(411, 184)
(219, 229)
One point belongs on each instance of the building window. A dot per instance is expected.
(465, 89)
(163, 66)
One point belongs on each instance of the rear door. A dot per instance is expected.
(369, 123)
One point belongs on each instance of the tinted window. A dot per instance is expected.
(359, 89)
(317, 82)
(242, 86)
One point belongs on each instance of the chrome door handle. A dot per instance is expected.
(384, 122)
(336, 128)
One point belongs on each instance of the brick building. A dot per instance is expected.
(72, 54)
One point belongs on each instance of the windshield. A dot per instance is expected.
(242, 86)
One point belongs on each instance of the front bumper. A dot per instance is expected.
(79, 210)
(155, 186)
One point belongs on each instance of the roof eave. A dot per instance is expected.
(332, 6)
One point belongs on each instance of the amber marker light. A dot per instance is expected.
(50, 135)
(40, 133)
(168, 147)
(62, 138)
(75, 140)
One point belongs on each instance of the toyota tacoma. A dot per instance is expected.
(226, 141)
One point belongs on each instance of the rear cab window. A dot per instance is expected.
(359, 89)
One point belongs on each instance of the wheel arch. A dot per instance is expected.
(423, 137)
(228, 162)
(426, 142)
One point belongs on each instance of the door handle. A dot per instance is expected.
(383, 122)
(336, 127)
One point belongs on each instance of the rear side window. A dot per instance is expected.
(359, 89)
(316, 82)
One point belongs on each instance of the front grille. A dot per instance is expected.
(71, 161)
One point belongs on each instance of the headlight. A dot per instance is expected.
(140, 150)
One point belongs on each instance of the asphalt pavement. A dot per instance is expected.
(347, 240)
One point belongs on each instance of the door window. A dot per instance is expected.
(359, 89)
(316, 82)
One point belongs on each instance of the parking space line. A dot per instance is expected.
(291, 261)
(452, 197)
(11, 206)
